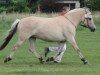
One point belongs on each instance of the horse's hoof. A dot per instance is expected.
(56, 62)
(84, 61)
(46, 51)
(41, 60)
(50, 59)
(7, 59)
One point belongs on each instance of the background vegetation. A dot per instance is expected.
(25, 63)
(33, 5)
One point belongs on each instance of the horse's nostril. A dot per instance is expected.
(93, 29)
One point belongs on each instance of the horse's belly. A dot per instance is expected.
(51, 37)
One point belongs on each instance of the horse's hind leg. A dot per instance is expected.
(51, 49)
(32, 49)
(72, 41)
(17, 45)
(61, 49)
(60, 53)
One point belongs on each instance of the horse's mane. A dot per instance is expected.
(75, 10)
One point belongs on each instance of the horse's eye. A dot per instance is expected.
(89, 18)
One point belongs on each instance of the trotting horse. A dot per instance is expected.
(59, 29)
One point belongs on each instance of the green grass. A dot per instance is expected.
(25, 63)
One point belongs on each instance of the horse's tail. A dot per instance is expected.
(10, 34)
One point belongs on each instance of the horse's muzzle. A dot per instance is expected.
(92, 29)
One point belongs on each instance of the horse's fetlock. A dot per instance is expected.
(7, 59)
(84, 61)
(41, 60)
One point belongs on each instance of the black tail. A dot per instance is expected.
(9, 36)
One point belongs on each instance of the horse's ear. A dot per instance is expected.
(84, 7)
(87, 9)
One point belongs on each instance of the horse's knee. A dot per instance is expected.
(41, 60)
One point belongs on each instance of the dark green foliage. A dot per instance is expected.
(15, 6)
(33, 5)
(82, 3)
(93, 4)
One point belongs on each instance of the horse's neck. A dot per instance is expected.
(75, 18)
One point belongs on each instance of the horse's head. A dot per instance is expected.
(88, 20)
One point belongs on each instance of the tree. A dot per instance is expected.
(82, 3)
(93, 4)
(45, 5)
(48, 5)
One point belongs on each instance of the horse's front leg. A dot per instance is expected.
(59, 55)
(72, 41)
(32, 49)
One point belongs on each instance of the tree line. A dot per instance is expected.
(34, 5)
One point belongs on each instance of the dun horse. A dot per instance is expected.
(59, 29)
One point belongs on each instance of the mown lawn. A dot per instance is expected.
(25, 63)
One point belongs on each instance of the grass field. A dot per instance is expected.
(25, 63)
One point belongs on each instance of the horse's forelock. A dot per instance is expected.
(87, 10)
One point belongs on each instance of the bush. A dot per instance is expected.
(47, 5)
(2, 9)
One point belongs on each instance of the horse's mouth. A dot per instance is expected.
(92, 29)
(84, 26)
